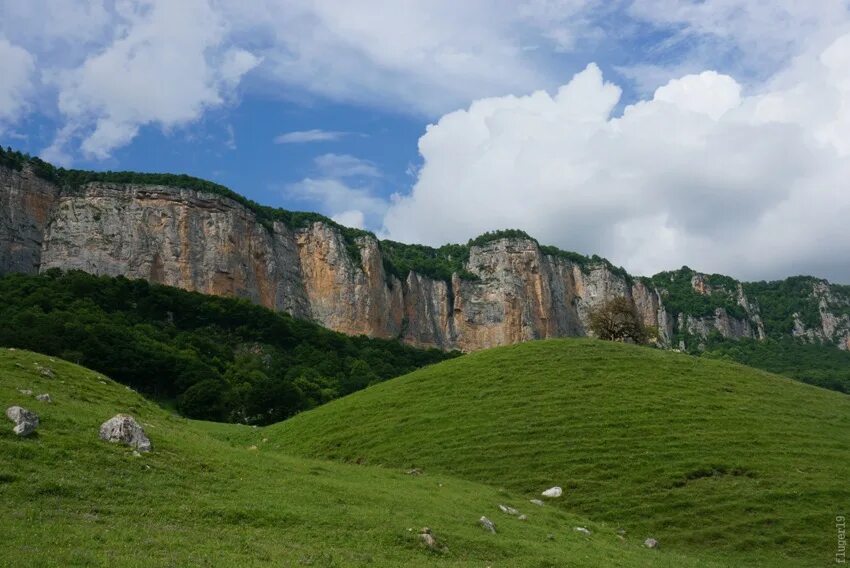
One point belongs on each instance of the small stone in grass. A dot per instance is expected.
(45, 371)
(44, 398)
(650, 543)
(553, 492)
(428, 539)
(487, 524)
(537, 502)
(583, 531)
(508, 510)
(25, 421)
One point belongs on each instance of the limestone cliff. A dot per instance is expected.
(26, 204)
(509, 290)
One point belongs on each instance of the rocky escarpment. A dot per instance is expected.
(832, 323)
(26, 204)
(510, 289)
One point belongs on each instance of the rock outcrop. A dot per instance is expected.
(511, 290)
(27, 204)
(123, 429)
(834, 315)
(25, 420)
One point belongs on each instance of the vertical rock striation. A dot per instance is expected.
(26, 205)
(512, 290)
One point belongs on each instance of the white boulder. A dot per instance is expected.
(25, 420)
(123, 429)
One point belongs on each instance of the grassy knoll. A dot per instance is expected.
(706, 456)
(205, 497)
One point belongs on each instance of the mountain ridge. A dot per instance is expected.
(500, 288)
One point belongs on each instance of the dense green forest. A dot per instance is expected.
(776, 301)
(219, 358)
(779, 300)
(680, 297)
(814, 363)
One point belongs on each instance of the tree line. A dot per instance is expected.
(218, 358)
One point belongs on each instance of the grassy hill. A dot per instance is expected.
(704, 455)
(228, 495)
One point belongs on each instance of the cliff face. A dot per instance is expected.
(834, 315)
(26, 205)
(209, 243)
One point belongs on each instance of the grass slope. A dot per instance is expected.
(704, 455)
(203, 497)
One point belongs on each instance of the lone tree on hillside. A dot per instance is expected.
(618, 320)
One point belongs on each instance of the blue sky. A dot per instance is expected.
(658, 136)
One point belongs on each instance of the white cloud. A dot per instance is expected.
(563, 23)
(314, 135)
(16, 69)
(167, 64)
(61, 32)
(344, 166)
(421, 56)
(230, 141)
(708, 93)
(338, 199)
(351, 218)
(753, 39)
(343, 187)
(697, 174)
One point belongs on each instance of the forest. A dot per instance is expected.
(217, 358)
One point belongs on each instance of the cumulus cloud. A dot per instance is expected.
(16, 69)
(115, 66)
(751, 185)
(167, 64)
(313, 135)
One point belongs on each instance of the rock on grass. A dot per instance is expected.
(123, 429)
(487, 524)
(25, 420)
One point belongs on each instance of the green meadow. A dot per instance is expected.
(724, 465)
